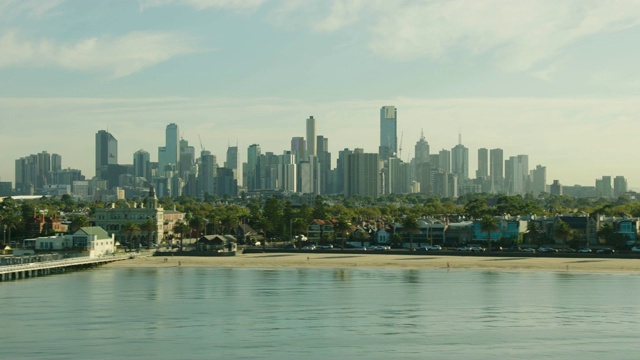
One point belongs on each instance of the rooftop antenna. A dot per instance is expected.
(201, 147)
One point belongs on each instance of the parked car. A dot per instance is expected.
(325, 247)
(605, 251)
(309, 247)
(529, 250)
(476, 248)
(434, 247)
(545, 249)
(635, 249)
(584, 250)
(462, 248)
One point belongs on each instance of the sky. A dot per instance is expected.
(556, 80)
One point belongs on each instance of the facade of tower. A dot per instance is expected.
(496, 168)
(311, 137)
(483, 164)
(619, 186)
(169, 154)
(460, 162)
(298, 148)
(388, 132)
(106, 151)
(362, 174)
(539, 180)
(142, 164)
(252, 175)
(422, 150)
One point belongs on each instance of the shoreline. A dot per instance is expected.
(384, 261)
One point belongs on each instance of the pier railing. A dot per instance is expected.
(42, 265)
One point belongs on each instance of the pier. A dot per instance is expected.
(34, 269)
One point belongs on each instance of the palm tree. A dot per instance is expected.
(488, 224)
(410, 226)
(341, 227)
(11, 221)
(130, 229)
(181, 228)
(148, 227)
(563, 231)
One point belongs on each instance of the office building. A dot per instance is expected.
(388, 132)
(106, 151)
(311, 137)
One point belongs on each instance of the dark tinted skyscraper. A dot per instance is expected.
(106, 151)
(388, 132)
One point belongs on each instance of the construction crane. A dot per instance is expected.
(201, 147)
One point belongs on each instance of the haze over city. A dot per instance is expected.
(555, 81)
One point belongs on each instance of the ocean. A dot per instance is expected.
(215, 313)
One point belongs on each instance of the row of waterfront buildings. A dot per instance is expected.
(306, 167)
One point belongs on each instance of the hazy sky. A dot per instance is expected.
(556, 80)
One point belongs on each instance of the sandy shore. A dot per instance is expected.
(297, 260)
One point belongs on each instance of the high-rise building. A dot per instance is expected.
(460, 161)
(444, 159)
(539, 180)
(298, 148)
(186, 162)
(483, 164)
(311, 137)
(232, 161)
(516, 170)
(619, 186)
(324, 163)
(142, 164)
(555, 188)
(422, 150)
(388, 132)
(56, 162)
(496, 168)
(362, 174)
(106, 151)
(252, 175)
(207, 173)
(169, 154)
(605, 189)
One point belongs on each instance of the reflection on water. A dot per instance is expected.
(202, 313)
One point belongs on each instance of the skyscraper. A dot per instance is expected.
(483, 164)
(298, 148)
(460, 161)
(106, 151)
(169, 154)
(539, 180)
(142, 164)
(496, 167)
(619, 186)
(388, 132)
(422, 150)
(311, 137)
(362, 174)
(252, 175)
(232, 160)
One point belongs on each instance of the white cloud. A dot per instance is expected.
(518, 34)
(240, 5)
(117, 56)
(32, 8)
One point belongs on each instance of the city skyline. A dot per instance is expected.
(244, 72)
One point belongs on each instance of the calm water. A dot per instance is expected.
(205, 313)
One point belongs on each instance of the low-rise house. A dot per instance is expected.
(431, 231)
(583, 225)
(93, 240)
(217, 243)
(509, 228)
(247, 235)
(459, 233)
(319, 231)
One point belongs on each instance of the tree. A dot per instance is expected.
(476, 208)
(410, 226)
(341, 227)
(488, 224)
(181, 228)
(130, 229)
(148, 227)
(11, 221)
(78, 222)
(196, 224)
(563, 231)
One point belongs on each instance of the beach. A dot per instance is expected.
(388, 261)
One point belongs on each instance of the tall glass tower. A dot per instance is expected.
(106, 151)
(388, 132)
